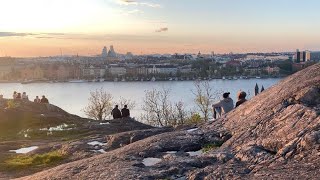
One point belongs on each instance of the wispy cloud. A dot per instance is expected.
(14, 34)
(137, 3)
(164, 29)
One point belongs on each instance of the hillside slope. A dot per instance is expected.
(276, 135)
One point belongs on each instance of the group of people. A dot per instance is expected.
(42, 100)
(124, 113)
(24, 96)
(226, 104)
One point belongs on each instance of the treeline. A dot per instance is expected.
(158, 107)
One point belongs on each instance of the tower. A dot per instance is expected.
(104, 52)
(256, 89)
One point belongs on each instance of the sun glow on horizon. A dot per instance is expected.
(42, 27)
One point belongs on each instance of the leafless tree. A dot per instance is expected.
(123, 101)
(180, 113)
(158, 107)
(100, 105)
(204, 96)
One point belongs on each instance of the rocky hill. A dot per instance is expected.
(275, 135)
(26, 124)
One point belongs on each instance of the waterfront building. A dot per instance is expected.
(117, 70)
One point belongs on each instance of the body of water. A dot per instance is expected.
(73, 97)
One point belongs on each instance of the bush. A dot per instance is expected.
(211, 146)
(25, 161)
(11, 104)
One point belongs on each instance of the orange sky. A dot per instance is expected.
(44, 27)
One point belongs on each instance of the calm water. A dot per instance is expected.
(73, 97)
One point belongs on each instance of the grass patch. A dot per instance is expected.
(34, 161)
(211, 146)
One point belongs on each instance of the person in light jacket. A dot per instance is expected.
(226, 104)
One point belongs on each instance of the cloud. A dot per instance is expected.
(165, 29)
(14, 34)
(134, 2)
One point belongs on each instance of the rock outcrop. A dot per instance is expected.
(275, 135)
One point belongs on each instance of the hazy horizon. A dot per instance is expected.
(35, 28)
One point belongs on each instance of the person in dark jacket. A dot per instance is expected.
(44, 100)
(116, 112)
(125, 111)
(241, 98)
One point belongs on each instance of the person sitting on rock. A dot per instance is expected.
(25, 96)
(18, 96)
(226, 103)
(44, 100)
(116, 112)
(241, 98)
(37, 99)
(125, 112)
(15, 94)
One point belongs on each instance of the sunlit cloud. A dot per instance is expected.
(14, 34)
(165, 29)
(137, 3)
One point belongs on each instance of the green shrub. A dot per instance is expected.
(25, 161)
(11, 104)
(211, 146)
(195, 119)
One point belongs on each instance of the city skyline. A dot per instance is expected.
(45, 28)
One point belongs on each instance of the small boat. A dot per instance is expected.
(101, 80)
(235, 78)
(123, 79)
(170, 79)
(153, 79)
(258, 77)
(223, 78)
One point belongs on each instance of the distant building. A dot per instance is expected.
(93, 72)
(302, 56)
(104, 52)
(117, 70)
(306, 56)
(112, 53)
(272, 70)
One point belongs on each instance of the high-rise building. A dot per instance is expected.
(306, 56)
(298, 57)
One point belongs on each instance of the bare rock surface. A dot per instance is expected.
(275, 135)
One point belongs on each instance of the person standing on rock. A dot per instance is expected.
(125, 112)
(241, 98)
(226, 103)
(116, 112)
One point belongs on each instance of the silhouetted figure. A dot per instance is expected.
(226, 104)
(125, 111)
(262, 89)
(241, 98)
(44, 100)
(256, 89)
(18, 96)
(116, 112)
(37, 99)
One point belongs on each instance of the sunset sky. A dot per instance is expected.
(43, 27)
